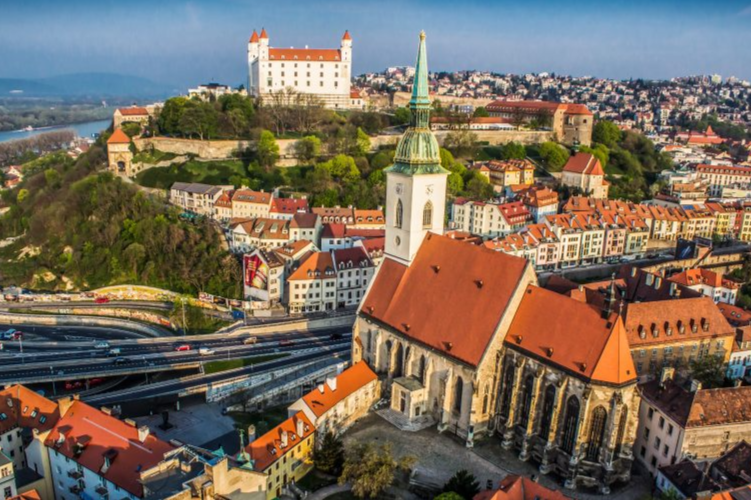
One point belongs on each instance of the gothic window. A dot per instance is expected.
(421, 370)
(398, 366)
(621, 429)
(529, 384)
(548, 407)
(427, 215)
(399, 214)
(570, 424)
(508, 387)
(596, 433)
(458, 389)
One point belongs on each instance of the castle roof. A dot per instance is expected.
(118, 137)
(263, 33)
(254, 37)
(346, 36)
(584, 163)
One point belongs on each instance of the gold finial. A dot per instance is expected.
(422, 35)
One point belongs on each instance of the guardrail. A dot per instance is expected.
(65, 320)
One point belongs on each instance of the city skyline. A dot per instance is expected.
(184, 43)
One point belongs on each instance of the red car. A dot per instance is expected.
(101, 300)
(285, 342)
(184, 347)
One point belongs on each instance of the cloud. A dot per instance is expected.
(745, 12)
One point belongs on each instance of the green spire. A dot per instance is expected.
(418, 151)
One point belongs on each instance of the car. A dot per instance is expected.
(17, 335)
(9, 334)
(115, 351)
(184, 347)
(120, 361)
(102, 345)
(101, 300)
(205, 351)
(250, 340)
(285, 342)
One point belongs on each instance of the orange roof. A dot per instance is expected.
(572, 335)
(584, 163)
(254, 37)
(346, 36)
(29, 495)
(133, 111)
(322, 398)
(263, 33)
(661, 321)
(249, 196)
(369, 216)
(451, 297)
(118, 137)
(514, 487)
(24, 408)
(305, 54)
(289, 205)
(319, 265)
(268, 448)
(698, 276)
(89, 437)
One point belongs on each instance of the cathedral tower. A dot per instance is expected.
(416, 182)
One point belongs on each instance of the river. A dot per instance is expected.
(82, 130)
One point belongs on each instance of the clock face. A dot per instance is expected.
(429, 189)
(399, 189)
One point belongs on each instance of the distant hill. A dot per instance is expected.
(86, 84)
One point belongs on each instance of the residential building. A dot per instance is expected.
(336, 404)
(719, 176)
(354, 270)
(319, 74)
(306, 226)
(740, 355)
(262, 233)
(7, 477)
(312, 286)
(223, 207)
(336, 236)
(571, 123)
(709, 283)
(681, 420)
(247, 204)
(370, 219)
(264, 276)
(335, 215)
(583, 171)
(196, 198)
(489, 219)
(505, 173)
(540, 201)
(287, 208)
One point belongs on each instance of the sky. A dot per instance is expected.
(184, 43)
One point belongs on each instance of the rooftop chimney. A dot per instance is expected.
(331, 382)
(695, 386)
(284, 439)
(321, 388)
(143, 433)
(299, 427)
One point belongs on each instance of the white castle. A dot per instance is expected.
(324, 73)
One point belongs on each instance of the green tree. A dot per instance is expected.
(342, 167)
(199, 120)
(709, 370)
(607, 133)
(461, 143)
(478, 187)
(553, 155)
(363, 143)
(267, 150)
(382, 159)
(22, 195)
(450, 496)
(513, 151)
(402, 116)
(600, 151)
(371, 469)
(463, 483)
(481, 112)
(170, 114)
(52, 177)
(329, 456)
(242, 104)
(455, 183)
(131, 129)
(308, 149)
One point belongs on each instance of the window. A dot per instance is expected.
(570, 424)
(596, 433)
(665, 451)
(398, 216)
(658, 442)
(427, 215)
(547, 411)
(662, 422)
(650, 412)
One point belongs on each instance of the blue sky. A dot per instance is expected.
(187, 42)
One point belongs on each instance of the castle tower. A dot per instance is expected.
(253, 51)
(416, 182)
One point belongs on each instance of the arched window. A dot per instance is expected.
(421, 370)
(621, 429)
(508, 386)
(398, 367)
(548, 407)
(458, 389)
(569, 425)
(529, 384)
(485, 400)
(596, 433)
(399, 215)
(427, 215)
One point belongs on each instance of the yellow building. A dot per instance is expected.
(502, 174)
(284, 453)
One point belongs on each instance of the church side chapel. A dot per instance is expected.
(463, 338)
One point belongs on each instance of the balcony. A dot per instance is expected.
(76, 489)
(102, 491)
(75, 474)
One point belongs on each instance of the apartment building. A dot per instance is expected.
(248, 204)
(354, 270)
(312, 286)
(196, 198)
(709, 283)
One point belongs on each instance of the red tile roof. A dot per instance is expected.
(304, 221)
(267, 449)
(514, 487)
(118, 137)
(346, 36)
(356, 255)
(305, 54)
(263, 33)
(254, 37)
(584, 163)
(333, 230)
(289, 205)
(701, 276)
(248, 196)
(323, 398)
(735, 315)
(24, 408)
(133, 111)
(86, 435)
(572, 335)
(451, 298)
(319, 265)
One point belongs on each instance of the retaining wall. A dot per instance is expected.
(60, 320)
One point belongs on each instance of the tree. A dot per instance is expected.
(363, 143)
(607, 133)
(455, 183)
(267, 150)
(450, 496)
(553, 155)
(371, 469)
(481, 112)
(600, 151)
(513, 151)
(402, 116)
(199, 119)
(464, 484)
(131, 129)
(329, 456)
(342, 167)
(478, 187)
(462, 143)
(709, 370)
(170, 114)
(308, 149)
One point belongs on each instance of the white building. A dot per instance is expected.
(354, 270)
(740, 355)
(709, 283)
(312, 286)
(322, 73)
(196, 198)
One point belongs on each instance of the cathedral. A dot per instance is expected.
(463, 338)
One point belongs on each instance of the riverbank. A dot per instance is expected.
(83, 129)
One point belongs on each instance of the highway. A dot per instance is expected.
(61, 361)
(116, 304)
